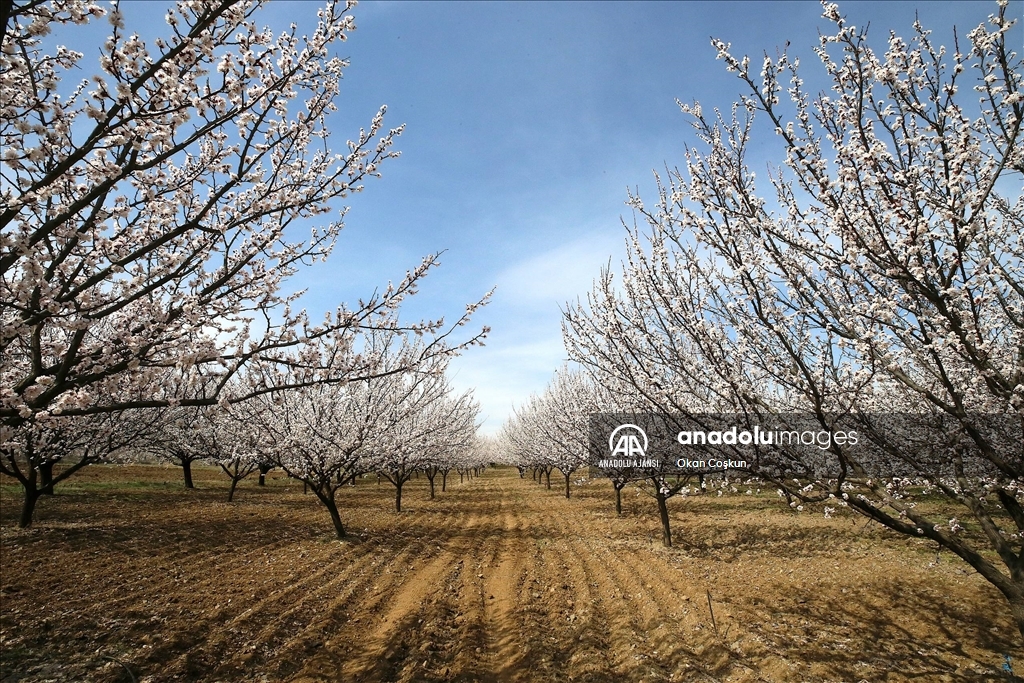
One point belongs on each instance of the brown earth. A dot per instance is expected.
(127, 576)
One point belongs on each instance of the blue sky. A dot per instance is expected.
(525, 125)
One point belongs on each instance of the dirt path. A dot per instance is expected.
(497, 580)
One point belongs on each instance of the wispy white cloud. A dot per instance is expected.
(504, 375)
(522, 353)
(561, 274)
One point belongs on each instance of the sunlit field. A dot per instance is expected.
(127, 576)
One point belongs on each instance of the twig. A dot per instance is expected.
(713, 624)
(123, 665)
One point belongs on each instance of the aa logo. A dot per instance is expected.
(631, 442)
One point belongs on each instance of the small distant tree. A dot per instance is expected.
(31, 449)
(264, 468)
(425, 422)
(455, 439)
(237, 467)
(234, 447)
(559, 420)
(314, 436)
(186, 436)
(523, 443)
(318, 433)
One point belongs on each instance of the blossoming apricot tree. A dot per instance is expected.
(150, 213)
(885, 275)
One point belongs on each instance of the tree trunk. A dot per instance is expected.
(32, 491)
(264, 469)
(444, 482)
(567, 486)
(431, 478)
(231, 491)
(618, 499)
(666, 531)
(29, 505)
(548, 475)
(1017, 610)
(46, 479)
(332, 507)
(398, 496)
(186, 469)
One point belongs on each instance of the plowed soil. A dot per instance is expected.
(128, 576)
